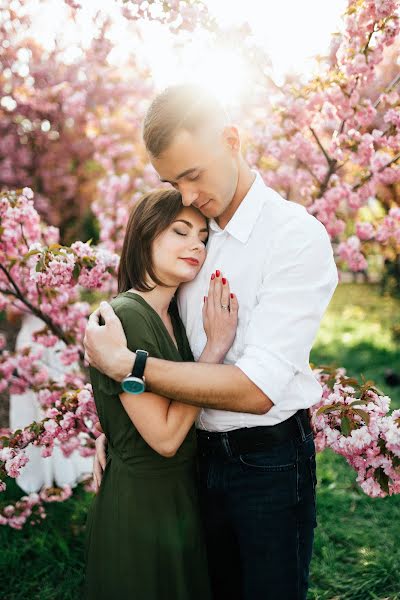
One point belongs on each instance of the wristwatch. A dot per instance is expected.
(134, 383)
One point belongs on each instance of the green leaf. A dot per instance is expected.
(396, 462)
(363, 414)
(358, 403)
(31, 253)
(77, 270)
(383, 480)
(346, 426)
(349, 381)
(328, 408)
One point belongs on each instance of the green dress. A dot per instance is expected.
(144, 535)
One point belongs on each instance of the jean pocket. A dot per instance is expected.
(264, 462)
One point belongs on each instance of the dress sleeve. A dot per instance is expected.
(139, 334)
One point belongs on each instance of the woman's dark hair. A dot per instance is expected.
(151, 215)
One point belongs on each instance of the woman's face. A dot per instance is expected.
(179, 251)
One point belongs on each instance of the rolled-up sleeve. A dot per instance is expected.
(299, 280)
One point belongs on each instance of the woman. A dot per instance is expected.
(144, 532)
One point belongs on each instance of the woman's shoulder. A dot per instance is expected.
(126, 304)
(137, 321)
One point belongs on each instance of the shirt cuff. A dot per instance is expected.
(269, 371)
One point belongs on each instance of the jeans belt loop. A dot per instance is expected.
(226, 445)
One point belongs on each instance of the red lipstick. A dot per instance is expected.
(192, 261)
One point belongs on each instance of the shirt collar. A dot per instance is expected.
(242, 222)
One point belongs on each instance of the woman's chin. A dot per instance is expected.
(188, 274)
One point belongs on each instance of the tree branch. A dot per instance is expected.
(370, 175)
(56, 329)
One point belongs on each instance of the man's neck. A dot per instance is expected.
(245, 181)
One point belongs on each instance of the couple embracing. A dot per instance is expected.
(201, 378)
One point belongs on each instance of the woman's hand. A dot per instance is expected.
(100, 459)
(220, 318)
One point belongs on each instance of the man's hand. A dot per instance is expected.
(104, 344)
(100, 458)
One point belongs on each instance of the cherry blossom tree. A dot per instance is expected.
(333, 143)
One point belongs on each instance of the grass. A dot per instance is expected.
(356, 552)
(45, 562)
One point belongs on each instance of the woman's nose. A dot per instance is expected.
(197, 244)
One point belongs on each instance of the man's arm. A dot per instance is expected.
(224, 387)
(294, 296)
(202, 384)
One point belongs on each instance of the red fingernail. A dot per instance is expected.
(218, 273)
(231, 295)
(204, 299)
(223, 281)
(213, 276)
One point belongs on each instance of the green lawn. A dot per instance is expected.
(357, 553)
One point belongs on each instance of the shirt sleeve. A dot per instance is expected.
(139, 334)
(296, 288)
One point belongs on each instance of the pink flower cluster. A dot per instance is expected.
(69, 422)
(333, 143)
(350, 252)
(353, 420)
(389, 228)
(47, 279)
(30, 508)
(22, 370)
(60, 267)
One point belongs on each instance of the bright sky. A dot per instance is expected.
(291, 31)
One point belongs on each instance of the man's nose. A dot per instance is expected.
(188, 197)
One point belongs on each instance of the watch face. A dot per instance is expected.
(133, 385)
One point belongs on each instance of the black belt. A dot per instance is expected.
(253, 439)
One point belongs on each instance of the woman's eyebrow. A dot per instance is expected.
(189, 224)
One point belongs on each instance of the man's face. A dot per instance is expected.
(204, 167)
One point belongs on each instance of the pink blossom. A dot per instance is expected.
(365, 231)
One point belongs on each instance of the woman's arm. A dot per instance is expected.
(165, 423)
(162, 423)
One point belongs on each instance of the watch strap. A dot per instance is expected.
(140, 363)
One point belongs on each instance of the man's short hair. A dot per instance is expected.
(179, 107)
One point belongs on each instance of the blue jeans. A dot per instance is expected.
(259, 516)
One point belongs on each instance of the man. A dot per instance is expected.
(255, 445)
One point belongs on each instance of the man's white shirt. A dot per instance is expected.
(279, 262)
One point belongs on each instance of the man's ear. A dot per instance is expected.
(231, 137)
